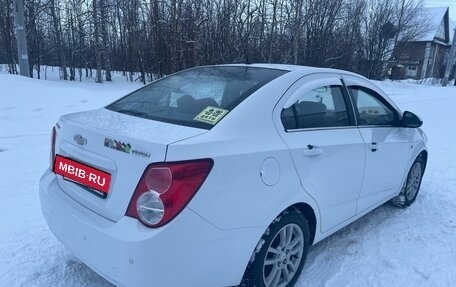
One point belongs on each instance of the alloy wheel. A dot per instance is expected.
(413, 181)
(283, 256)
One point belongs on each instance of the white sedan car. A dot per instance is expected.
(226, 175)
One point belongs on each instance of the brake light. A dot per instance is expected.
(53, 136)
(165, 189)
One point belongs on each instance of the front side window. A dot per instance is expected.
(321, 107)
(196, 97)
(370, 108)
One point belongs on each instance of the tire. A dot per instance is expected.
(412, 184)
(281, 252)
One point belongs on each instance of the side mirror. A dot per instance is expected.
(410, 120)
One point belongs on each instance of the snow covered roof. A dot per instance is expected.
(436, 16)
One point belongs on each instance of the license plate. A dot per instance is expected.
(82, 173)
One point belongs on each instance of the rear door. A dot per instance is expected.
(386, 143)
(317, 125)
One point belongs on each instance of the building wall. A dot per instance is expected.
(422, 59)
(436, 68)
(411, 55)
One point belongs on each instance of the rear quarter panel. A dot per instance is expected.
(234, 194)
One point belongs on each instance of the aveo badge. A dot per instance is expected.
(123, 147)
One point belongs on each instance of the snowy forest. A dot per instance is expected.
(152, 38)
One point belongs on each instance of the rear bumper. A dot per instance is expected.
(187, 252)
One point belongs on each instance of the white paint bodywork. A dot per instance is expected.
(259, 170)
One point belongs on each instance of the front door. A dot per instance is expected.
(386, 144)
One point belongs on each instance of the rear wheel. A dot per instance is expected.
(412, 184)
(281, 253)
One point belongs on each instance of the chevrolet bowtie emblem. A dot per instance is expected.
(80, 140)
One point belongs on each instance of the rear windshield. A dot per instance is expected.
(198, 97)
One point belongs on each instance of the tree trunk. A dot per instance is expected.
(106, 49)
(58, 40)
(8, 35)
(272, 35)
(98, 77)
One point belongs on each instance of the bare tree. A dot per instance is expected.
(7, 34)
(146, 39)
(412, 23)
(105, 37)
(59, 44)
(96, 37)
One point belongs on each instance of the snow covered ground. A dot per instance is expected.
(388, 247)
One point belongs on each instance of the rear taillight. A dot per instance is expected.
(53, 135)
(165, 189)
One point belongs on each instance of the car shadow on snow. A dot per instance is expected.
(67, 271)
(356, 244)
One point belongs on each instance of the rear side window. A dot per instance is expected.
(321, 107)
(197, 97)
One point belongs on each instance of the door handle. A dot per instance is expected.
(373, 147)
(312, 150)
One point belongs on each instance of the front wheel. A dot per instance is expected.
(412, 184)
(281, 253)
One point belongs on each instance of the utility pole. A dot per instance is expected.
(450, 61)
(21, 38)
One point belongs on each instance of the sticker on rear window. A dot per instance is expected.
(211, 115)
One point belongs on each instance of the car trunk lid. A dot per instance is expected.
(119, 144)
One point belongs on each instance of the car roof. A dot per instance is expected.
(303, 69)
(307, 70)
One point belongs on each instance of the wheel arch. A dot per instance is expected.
(424, 155)
(300, 207)
(309, 214)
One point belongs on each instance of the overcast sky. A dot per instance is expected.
(443, 3)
